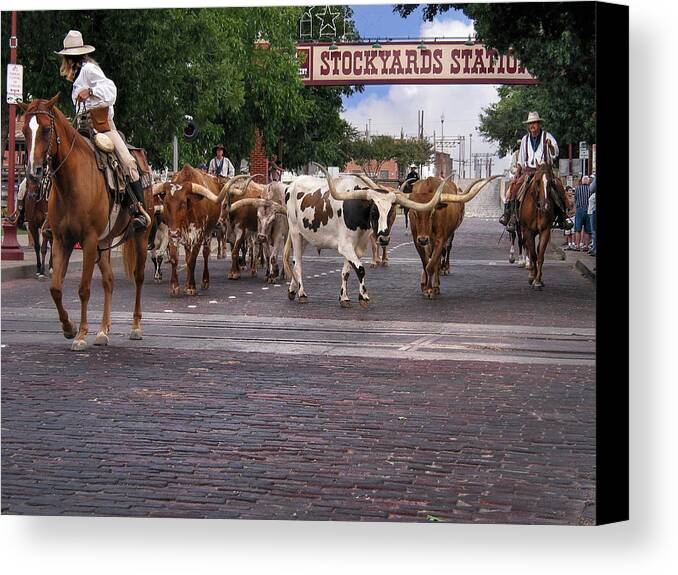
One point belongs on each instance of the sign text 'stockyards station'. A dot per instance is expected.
(451, 62)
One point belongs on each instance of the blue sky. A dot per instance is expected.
(380, 21)
(392, 109)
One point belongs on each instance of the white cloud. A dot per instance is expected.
(460, 104)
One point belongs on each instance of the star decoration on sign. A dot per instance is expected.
(327, 18)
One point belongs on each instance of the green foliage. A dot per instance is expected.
(201, 62)
(556, 42)
(319, 133)
(372, 153)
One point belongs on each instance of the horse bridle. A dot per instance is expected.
(48, 155)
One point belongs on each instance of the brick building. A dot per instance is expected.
(387, 171)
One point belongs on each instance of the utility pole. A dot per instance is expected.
(470, 156)
(10, 246)
(442, 130)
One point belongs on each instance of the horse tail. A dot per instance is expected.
(286, 256)
(129, 257)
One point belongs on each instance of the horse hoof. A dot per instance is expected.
(71, 332)
(365, 303)
(101, 339)
(291, 295)
(429, 294)
(345, 303)
(79, 345)
(174, 290)
(191, 291)
(136, 333)
(303, 299)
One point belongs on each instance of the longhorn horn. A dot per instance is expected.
(406, 202)
(259, 203)
(205, 192)
(342, 196)
(225, 190)
(237, 193)
(370, 182)
(473, 191)
(401, 190)
(158, 189)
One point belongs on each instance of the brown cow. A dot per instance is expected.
(242, 222)
(433, 230)
(191, 207)
(272, 226)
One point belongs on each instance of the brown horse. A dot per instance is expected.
(38, 225)
(535, 217)
(80, 209)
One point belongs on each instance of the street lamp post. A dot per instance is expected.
(10, 246)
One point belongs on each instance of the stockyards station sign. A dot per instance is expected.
(451, 62)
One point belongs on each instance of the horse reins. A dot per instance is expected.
(46, 183)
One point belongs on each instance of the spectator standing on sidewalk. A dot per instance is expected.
(592, 215)
(582, 225)
(569, 234)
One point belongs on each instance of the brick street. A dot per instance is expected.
(478, 406)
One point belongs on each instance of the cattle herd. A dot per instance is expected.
(266, 224)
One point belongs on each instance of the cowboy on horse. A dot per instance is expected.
(96, 94)
(536, 147)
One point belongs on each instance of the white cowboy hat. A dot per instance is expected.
(74, 46)
(533, 117)
(413, 166)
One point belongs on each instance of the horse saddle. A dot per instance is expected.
(109, 164)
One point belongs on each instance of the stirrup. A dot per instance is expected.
(139, 222)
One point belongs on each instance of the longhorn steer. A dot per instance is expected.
(191, 207)
(240, 219)
(272, 225)
(433, 230)
(339, 214)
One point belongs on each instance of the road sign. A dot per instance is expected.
(583, 151)
(15, 83)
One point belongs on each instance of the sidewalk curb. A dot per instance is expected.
(585, 270)
(581, 265)
(11, 270)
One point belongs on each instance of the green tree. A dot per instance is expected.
(412, 151)
(371, 153)
(203, 62)
(556, 42)
(319, 133)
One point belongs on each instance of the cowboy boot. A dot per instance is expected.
(504, 220)
(561, 221)
(139, 222)
(511, 224)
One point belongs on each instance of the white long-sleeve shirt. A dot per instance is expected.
(529, 158)
(227, 169)
(104, 92)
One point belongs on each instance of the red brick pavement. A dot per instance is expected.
(254, 436)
